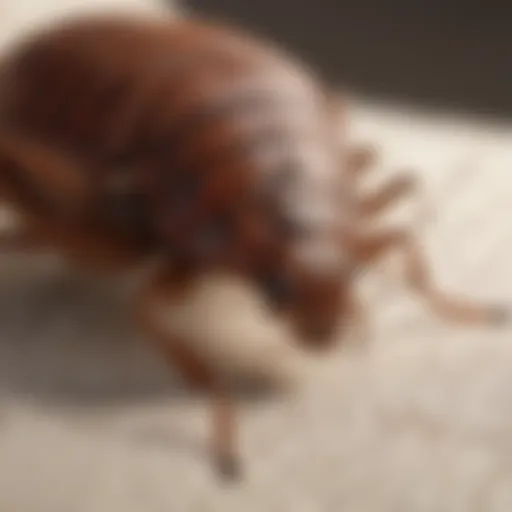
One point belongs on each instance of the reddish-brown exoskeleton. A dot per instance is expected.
(125, 140)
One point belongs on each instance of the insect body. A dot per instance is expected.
(123, 140)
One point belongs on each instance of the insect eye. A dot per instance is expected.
(278, 288)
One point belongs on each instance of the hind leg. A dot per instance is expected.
(85, 248)
(43, 189)
(16, 241)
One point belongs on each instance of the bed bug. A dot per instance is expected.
(197, 147)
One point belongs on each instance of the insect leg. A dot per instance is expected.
(159, 291)
(395, 189)
(34, 175)
(373, 246)
(359, 160)
(15, 241)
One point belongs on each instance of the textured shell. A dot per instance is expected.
(178, 126)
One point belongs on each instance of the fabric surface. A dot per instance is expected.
(417, 419)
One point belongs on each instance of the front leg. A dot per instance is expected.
(370, 247)
(152, 303)
(397, 188)
(359, 160)
(369, 205)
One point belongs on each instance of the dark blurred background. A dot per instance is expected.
(432, 53)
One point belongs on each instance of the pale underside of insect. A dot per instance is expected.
(195, 147)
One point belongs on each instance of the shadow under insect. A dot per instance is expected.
(64, 339)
